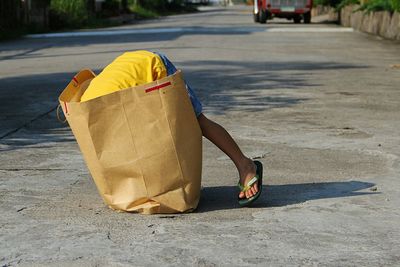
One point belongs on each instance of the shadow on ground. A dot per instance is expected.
(43, 132)
(28, 105)
(36, 45)
(222, 86)
(224, 197)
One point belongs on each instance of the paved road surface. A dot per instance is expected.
(318, 104)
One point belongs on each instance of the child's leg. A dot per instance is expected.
(222, 139)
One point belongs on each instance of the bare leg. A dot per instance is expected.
(223, 140)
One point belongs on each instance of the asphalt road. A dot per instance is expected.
(318, 104)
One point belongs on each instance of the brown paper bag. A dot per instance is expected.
(142, 145)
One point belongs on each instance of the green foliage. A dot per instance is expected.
(67, 14)
(158, 5)
(73, 14)
(395, 4)
(369, 6)
(344, 3)
(332, 3)
(155, 8)
(142, 12)
(377, 5)
(321, 3)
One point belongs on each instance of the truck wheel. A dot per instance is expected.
(262, 16)
(256, 17)
(307, 17)
(297, 19)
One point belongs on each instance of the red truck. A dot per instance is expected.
(290, 9)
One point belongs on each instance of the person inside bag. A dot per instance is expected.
(141, 67)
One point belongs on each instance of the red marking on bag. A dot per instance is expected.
(76, 81)
(158, 87)
(66, 108)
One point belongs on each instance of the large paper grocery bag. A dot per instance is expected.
(142, 145)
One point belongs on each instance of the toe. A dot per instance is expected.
(241, 195)
(249, 193)
(253, 190)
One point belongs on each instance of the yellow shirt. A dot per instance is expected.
(128, 70)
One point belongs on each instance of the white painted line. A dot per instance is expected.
(145, 31)
(186, 29)
(104, 33)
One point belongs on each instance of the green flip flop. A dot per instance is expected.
(258, 178)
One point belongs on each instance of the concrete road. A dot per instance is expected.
(318, 104)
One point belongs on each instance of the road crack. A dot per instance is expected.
(27, 123)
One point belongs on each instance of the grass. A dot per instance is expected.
(368, 6)
(142, 12)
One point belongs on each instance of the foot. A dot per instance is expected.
(247, 171)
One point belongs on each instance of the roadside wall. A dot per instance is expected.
(330, 12)
(382, 23)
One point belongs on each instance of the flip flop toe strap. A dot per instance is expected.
(248, 185)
